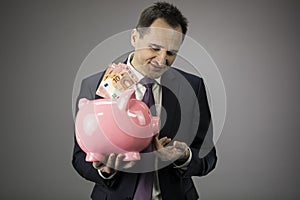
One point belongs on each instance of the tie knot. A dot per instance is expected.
(147, 82)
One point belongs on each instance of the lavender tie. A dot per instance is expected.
(148, 97)
(145, 183)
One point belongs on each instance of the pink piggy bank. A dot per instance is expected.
(122, 125)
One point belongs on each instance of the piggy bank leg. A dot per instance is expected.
(131, 156)
(94, 157)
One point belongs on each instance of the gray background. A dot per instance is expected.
(254, 43)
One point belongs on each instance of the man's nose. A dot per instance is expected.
(162, 57)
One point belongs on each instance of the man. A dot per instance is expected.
(182, 105)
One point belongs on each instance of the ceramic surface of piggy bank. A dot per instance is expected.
(124, 125)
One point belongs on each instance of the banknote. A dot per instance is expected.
(117, 78)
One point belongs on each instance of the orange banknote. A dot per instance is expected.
(117, 78)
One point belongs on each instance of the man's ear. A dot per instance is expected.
(134, 37)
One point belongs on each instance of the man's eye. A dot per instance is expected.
(155, 49)
(170, 53)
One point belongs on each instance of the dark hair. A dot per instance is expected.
(163, 10)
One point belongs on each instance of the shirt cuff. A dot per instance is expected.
(106, 176)
(184, 165)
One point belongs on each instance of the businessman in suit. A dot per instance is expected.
(184, 146)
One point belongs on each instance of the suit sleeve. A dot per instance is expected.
(85, 169)
(204, 157)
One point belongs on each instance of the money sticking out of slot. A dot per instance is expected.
(117, 78)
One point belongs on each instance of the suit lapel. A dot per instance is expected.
(171, 117)
(100, 79)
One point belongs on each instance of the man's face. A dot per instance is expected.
(157, 49)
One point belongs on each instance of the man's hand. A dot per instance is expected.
(112, 163)
(178, 151)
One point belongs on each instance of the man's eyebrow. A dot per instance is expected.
(159, 46)
(156, 45)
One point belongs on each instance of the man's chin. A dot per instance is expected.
(154, 72)
(155, 75)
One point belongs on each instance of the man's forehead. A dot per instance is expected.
(168, 38)
(164, 31)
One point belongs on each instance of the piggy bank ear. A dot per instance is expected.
(124, 98)
(82, 102)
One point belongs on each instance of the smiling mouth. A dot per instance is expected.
(157, 67)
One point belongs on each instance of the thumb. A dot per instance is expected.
(180, 145)
(97, 164)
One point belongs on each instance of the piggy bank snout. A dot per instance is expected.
(155, 125)
(138, 121)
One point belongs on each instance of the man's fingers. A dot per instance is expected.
(109, 165)
(170, 153)
(180, 145)
(165, 140)
(111, 160)
(166, 153)
(106, 169)
(97, 164)
(120, 164)
(157, 144)
(119, 161)
(160, 143)
(129, 164)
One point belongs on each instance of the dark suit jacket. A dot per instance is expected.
(187, 118)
